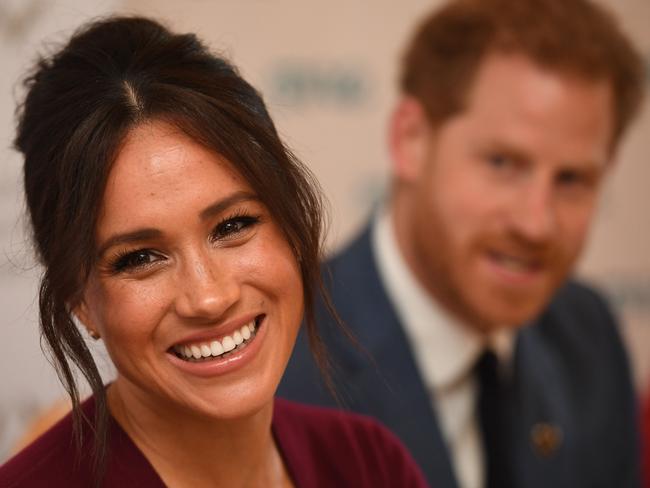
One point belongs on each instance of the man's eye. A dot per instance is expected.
(568, 178)
(499, 160)
(135, 260)
(233, 227)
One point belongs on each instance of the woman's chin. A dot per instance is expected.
(230, 404)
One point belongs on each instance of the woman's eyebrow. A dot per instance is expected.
(152, 233)
(221, 205)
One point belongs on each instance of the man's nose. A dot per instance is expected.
(533, 213)
(207, 288)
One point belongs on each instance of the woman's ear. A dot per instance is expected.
(408, 139)
(83, 317)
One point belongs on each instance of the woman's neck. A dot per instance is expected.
(186, 449)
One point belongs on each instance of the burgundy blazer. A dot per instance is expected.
(321, 448)
(645, 423)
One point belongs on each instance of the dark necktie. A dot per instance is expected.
(493, 418)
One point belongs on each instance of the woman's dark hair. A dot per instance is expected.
(111, 76)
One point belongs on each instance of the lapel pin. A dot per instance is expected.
(546, 439)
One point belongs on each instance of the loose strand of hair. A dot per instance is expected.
(66, 348)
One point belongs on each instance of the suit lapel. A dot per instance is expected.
(542, 416)
(392, 389)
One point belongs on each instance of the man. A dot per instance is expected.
(493, 367)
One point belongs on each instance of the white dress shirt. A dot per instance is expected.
(445, 351)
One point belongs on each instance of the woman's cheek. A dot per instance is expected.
(135, 305)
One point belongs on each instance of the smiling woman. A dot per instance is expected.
(173, 224)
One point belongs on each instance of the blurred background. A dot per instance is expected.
(328, 72)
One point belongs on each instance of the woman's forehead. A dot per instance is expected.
(158, 151)
(159, 171)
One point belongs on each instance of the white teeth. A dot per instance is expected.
(216, 348)
(237, 337)
(228, 344)
(512, 264)
(246, 332)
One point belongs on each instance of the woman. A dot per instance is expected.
(173, 224)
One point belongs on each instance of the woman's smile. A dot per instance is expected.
(219, 356)
(198, 348)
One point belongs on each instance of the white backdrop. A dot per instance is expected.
(327, 70)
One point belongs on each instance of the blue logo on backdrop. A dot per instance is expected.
(313, 83)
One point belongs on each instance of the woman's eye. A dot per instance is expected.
(135, 260)
(233, 227)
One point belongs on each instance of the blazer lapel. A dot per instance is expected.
(542, 417)
(392, 389)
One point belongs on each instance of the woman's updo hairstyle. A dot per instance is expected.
(81, 102)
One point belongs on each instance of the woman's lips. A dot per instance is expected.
(206, 350)
(215, 365)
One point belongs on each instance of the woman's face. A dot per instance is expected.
(191, 264)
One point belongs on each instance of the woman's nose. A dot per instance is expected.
(206, 289)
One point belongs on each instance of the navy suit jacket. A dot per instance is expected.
(570, 371)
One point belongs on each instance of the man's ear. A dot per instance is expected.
(408, 138)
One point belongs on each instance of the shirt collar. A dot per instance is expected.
(445, 348)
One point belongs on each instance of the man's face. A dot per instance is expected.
(499, 205)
